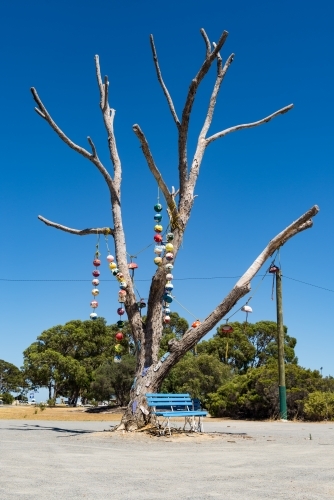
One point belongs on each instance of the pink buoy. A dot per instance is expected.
(96, 262)
(169, 256)
(119, 336)
(167, 319)
(95, 282)
(94, 304)
(110, 258)
(120, 311)
(96, 273)
(169, 277)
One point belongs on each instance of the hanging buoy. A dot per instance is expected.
(120, 276)
(123, 285)
(115, 271)
(94, 304)
(226, 328)
(169, 287)
(112, 265)
(141, 304)
(169, 247)
(273, 269)
(169, 277)
(158, 261)
(167, 319)
(169, 256)
(96, 273)
(158, 228)
(96, 262)
(167, 298)
(158, 238)
(117, 359)
(132, 265)
(158, 249)
(196, 323)
(110, 258)
(169, 266)
(95, 282)
(95, 292)
(120, 324)
(247, 309)
(166, 310)
(157, 217)
(93, 316)
(120, 311)
(119, 336)
(118, 348)
(169, 236)
(158, 207)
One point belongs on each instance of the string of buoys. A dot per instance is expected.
(164, 249)
(95, 282)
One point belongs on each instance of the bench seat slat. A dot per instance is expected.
(180, 413)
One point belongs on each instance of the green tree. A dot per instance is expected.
(196, 375)
(64, 357)
(114, 379)
(11, 379)
(255, 393)
(249, 345)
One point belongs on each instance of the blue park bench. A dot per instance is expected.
(176, 405)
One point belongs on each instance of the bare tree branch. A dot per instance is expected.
(152, 166)
(183, 133)
(207, 42)
(202, 144)
(108, 118)
(106, 92)
(248, 125)
(241, 288)
(162, 83)
(79, 232)
(42, 111)
(92, 145)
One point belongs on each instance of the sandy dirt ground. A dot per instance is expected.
(31, 412)
(232, 460)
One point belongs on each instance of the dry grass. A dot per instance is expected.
(58, 413)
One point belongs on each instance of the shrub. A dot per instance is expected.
(319, 406)
(7, 398)
(51, 402)
(254, 395)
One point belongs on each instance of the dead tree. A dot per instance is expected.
(150, 333)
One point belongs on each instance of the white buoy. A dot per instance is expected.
(247, 309)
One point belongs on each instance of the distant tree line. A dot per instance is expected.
(233, 374)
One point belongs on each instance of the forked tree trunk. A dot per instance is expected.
(150, 371)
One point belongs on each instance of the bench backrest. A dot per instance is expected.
(172, 401)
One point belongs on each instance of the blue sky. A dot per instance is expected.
(252, 183)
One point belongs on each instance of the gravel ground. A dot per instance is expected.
(251, 460)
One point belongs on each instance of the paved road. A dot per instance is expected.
(253, 460)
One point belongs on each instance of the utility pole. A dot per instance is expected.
(280, 343)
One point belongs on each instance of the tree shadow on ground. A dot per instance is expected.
(36, 427)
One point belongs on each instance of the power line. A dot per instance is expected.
(175, 279)
(309, 284)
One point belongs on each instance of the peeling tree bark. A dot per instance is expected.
(150, 371)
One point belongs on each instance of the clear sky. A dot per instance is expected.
(252, 184)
